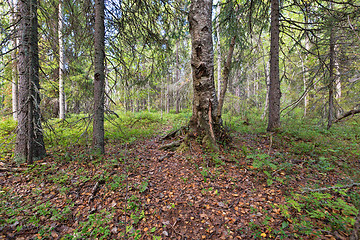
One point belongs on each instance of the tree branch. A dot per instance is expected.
(347, 114)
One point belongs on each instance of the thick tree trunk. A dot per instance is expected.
(99, 78)
(61, 63)
(203, 121)
(226, 73)
(14, 83)
(29, 140)
(274, 90)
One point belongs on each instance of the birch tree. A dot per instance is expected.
(61, 63)
(14, 80)
(203, 121)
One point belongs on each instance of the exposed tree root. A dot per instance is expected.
(173, 133)
(170, 146)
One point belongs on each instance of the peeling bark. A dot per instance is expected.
(202, 64)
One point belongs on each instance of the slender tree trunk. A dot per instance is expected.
(61, 63)
(305, 74)
(226, 73)
(266, 105)
(256, 90)
(331, 79)
(337, 85)
(204, 120)
(218, 49)
(14, 83)
(274, 90)
(177, 80)
(338, 82)
(305, 97)
(99, 78)
(29, 140)
(247, 87)
(167, 104)
(267, 82)
(304, 78)
(132, 100)
(148, 97)
(161, 101)
(267, 78)
(303, 61)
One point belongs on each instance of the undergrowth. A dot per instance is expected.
(303, 155)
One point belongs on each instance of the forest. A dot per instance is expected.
(179, 119)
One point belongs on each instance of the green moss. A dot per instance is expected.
(209, 144)
(184, 147)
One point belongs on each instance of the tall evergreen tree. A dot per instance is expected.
(274, 89)
(29, 139)
(99, 78)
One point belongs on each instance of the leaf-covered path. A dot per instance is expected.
(154, 194)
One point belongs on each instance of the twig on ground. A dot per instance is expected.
(170, 146)
(173, 228)
(12, 169)
(165, 156)
(96, 189)
(330, 188)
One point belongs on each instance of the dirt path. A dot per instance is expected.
(191, 197)
(151, 193)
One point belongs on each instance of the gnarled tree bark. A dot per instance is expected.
(204, 120)
(29, 140)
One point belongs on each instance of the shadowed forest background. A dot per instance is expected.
(175, 119)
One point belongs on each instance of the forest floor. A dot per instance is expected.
(254, 188)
